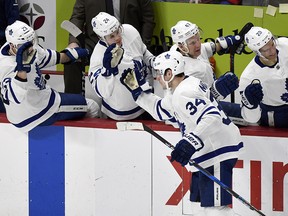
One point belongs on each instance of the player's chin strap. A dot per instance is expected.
(123, 126)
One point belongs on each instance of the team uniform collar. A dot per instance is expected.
(257, 60)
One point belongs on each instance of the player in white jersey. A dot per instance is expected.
(28, 101)
(186, 36)
(209, 137)
(264, 82)
(119, 47)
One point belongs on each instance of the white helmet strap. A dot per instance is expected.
(183, 47)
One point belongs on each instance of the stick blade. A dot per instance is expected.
(71, 28)
(123, 126)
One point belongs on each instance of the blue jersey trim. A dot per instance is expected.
(207, 111)
(40, 114)
(218, 152)
(160, 108)
(121, 113)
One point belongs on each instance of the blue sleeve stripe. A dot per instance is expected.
(118, 112)
(13, 94)
(96, 88)
(160, 109)
(48, 60)
(42, 62)
(209, 110)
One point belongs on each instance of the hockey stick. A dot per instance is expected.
(78, 34)
(238, 49)
(123, 126)
(163, 41)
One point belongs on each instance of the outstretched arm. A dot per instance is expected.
(159, 108)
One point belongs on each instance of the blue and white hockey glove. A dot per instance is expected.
(75, 53)
(224, 85)
(25, 56)
(185, 148)
(252, 95)
(112, 57)
(134, 80)
(228, 41)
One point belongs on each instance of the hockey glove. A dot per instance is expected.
(135, 82)
(228, 41)
(112, 57)
(185, 148)
(25, 56)
(252, 95)
(75, 53)
(224, 85)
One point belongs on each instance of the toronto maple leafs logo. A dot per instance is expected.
(182, 127)
(284, 96)
(174, 31)
(94, 24)
(167, 56)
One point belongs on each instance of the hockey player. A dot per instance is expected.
(208, 136)
(119, 47)
(264, 82)
(186, 36)
(29, 102)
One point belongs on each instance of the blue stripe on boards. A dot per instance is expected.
(46, 171)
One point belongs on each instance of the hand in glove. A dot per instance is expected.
(112, 57)
(228, 41)
(252, 95)
(75, 53)
(224, 85)
(135, 81)
(25, 56)
(185, 148)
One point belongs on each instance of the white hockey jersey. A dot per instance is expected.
(117, 101)
(195, 110)
(200, 67)
(28, 103)
(274, 80)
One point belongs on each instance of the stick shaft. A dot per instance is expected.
(233, 50)
(204, 171)
(78, 34)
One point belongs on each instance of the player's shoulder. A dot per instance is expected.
(252, 66)
(129, 29)
(282, 40)
(251, 71)
(130, 33)
(282, 43)
(189, 86)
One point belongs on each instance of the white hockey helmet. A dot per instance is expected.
(256, 38)
(104, 24)
(18, 33)
(172, 60)
(169, 60)
(183, 30)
